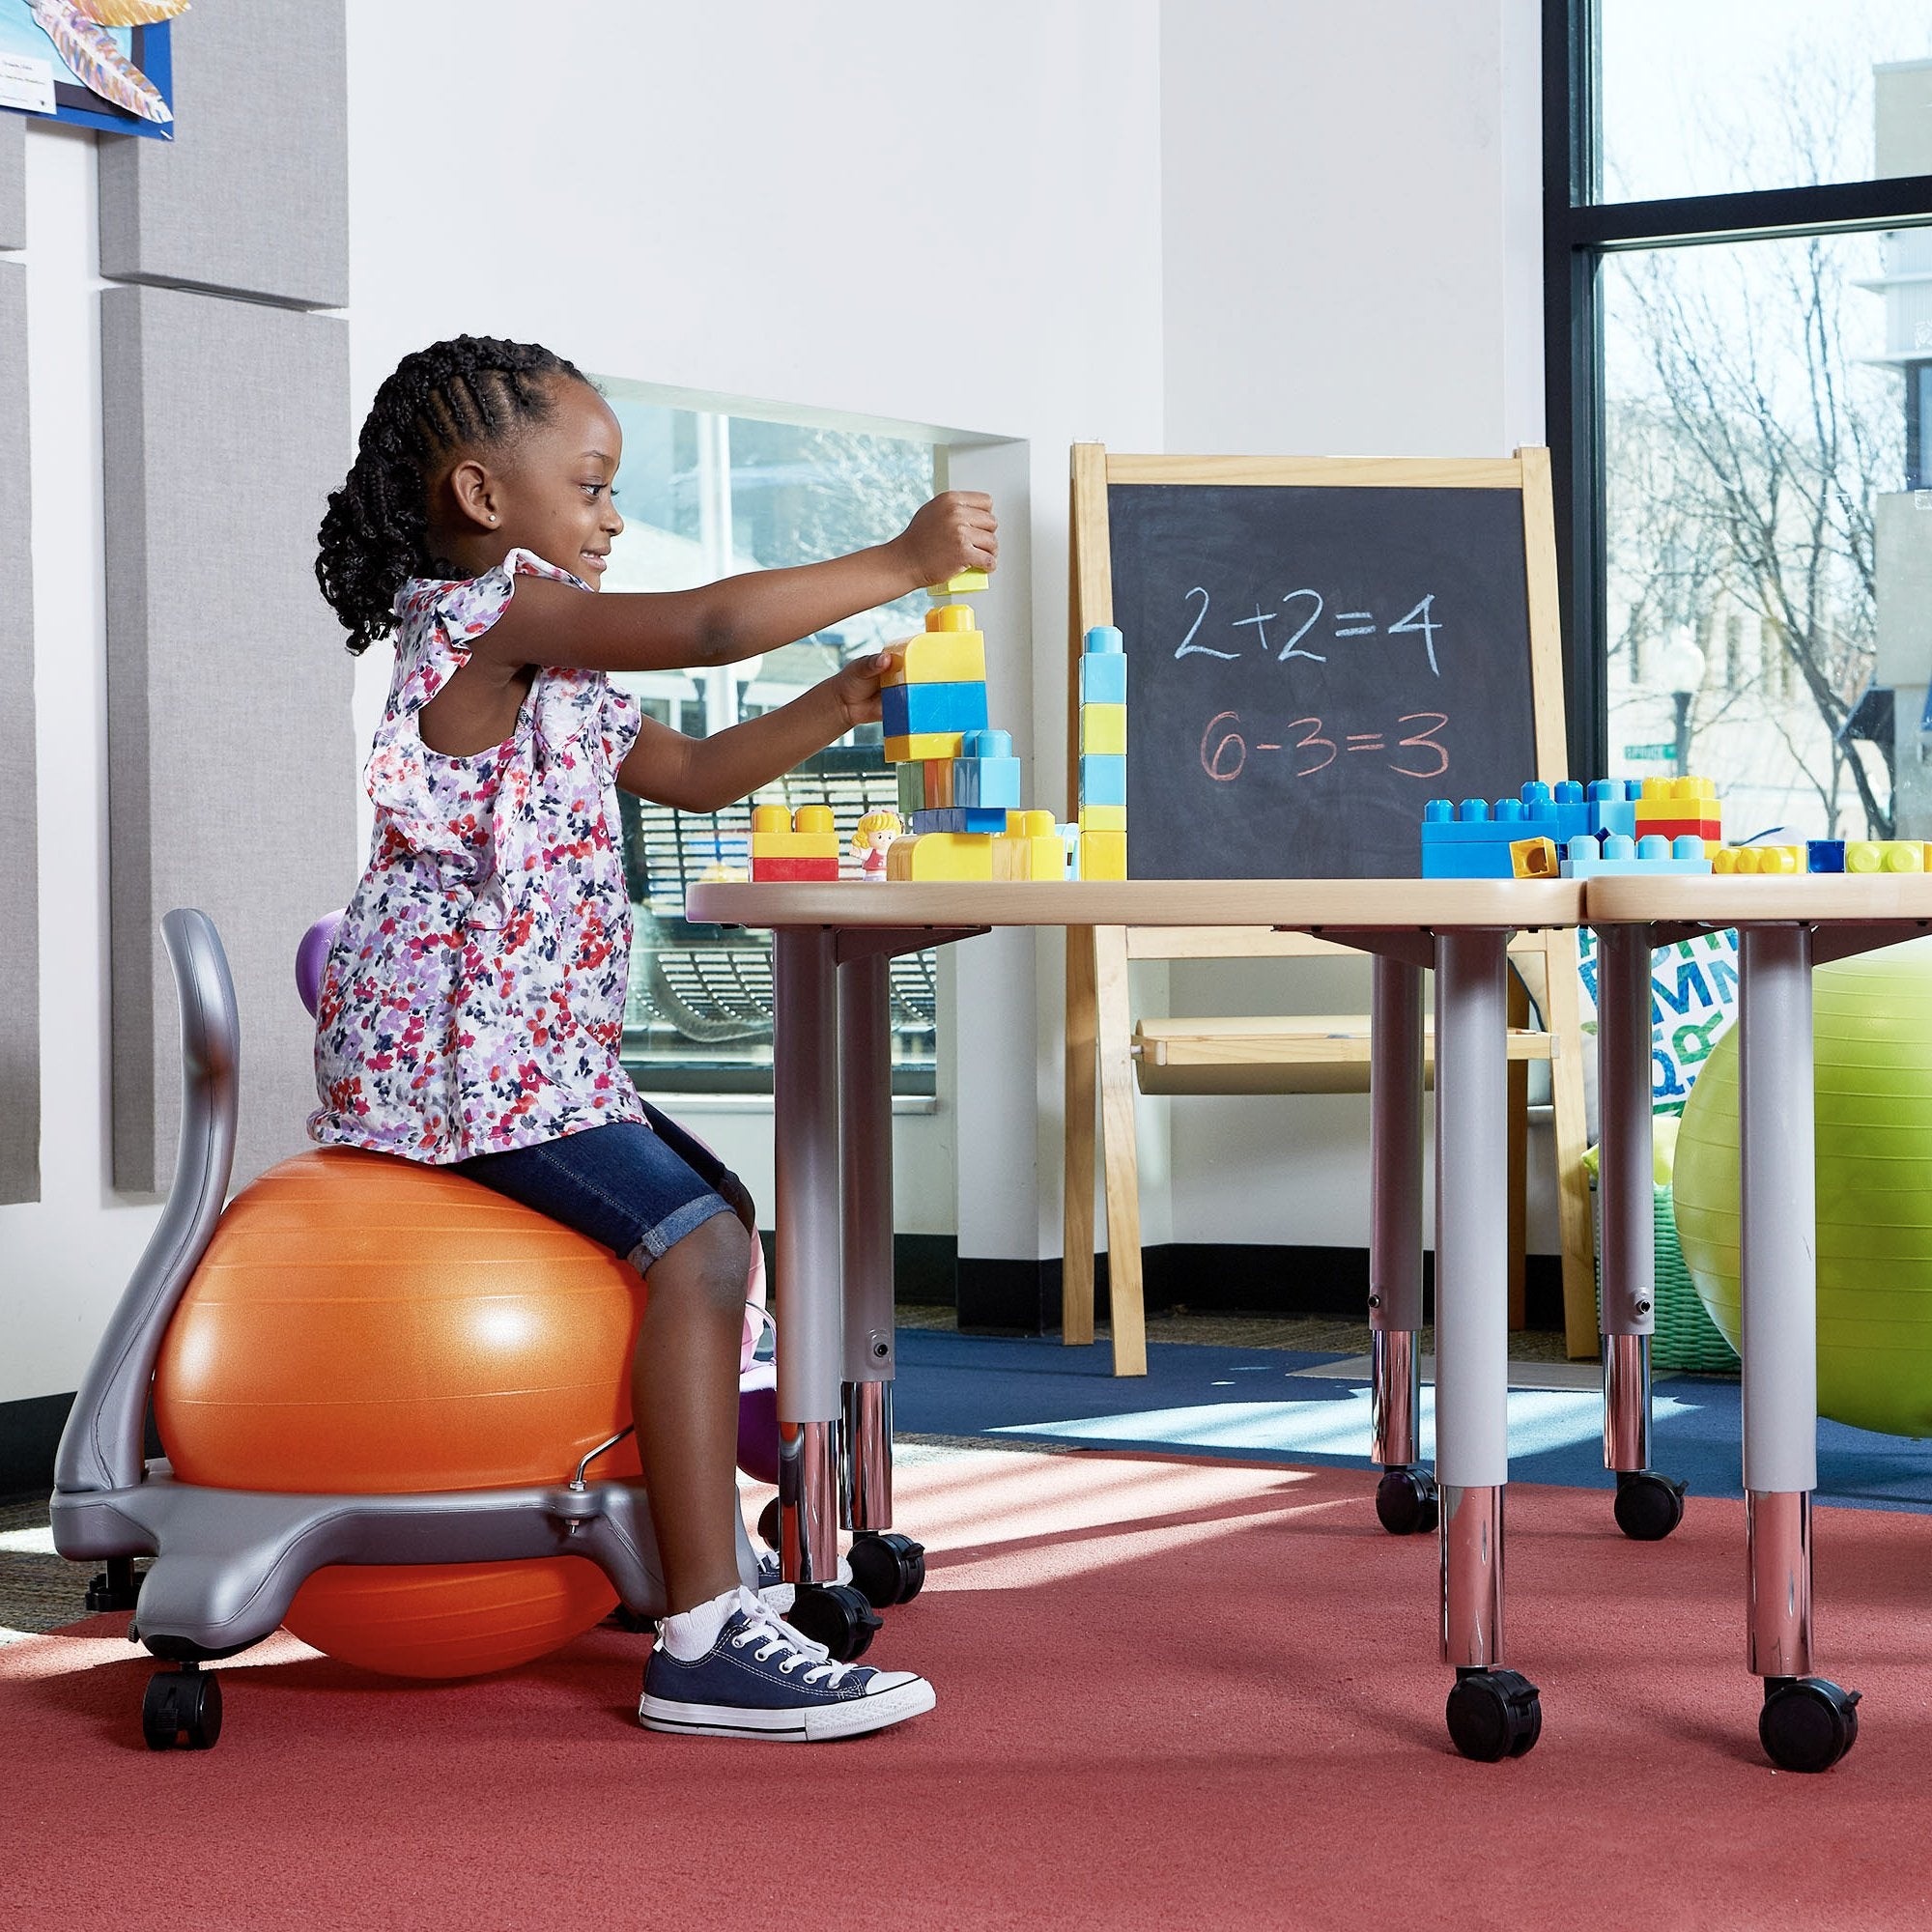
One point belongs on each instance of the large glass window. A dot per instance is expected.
(1739, 282)
(705, 495)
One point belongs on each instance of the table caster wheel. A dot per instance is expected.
(836, 1615)
(1807, 1723)
(1648, 1506)
(1494, 1715)
(768, 1524)
(181, 1707)
(1405, 1501)
(889, 1569)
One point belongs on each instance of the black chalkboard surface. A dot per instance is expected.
(1307, 666)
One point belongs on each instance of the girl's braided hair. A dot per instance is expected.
(472, 389)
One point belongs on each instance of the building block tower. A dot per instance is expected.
(1103, 754)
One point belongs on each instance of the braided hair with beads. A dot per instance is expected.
(471, 391)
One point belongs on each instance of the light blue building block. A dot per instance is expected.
(1650, 858)
(1104, 678)
(1103, 778)
(986, 774)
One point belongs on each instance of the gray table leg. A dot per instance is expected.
(806, 1290)
(1807, 1723)
(1492, 1711)
(1649, 1506)
(1406, 1497)
(888, 1568)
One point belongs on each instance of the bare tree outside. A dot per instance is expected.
(1752, 422)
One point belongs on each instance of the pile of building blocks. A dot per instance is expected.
(1103, 754)
(958, 780)
(792, 849)
(1476, 840)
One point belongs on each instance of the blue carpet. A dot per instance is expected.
(1261, 1404)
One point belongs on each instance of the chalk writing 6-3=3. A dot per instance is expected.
(1297, 614)
(1311, 747)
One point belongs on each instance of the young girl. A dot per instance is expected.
(472, 1004)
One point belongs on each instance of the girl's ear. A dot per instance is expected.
(474, 491)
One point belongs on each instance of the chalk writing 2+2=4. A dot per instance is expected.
(1300, 611)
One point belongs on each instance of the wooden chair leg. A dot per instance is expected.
(1115, 1056)
(1519, 1162)
(1076, 1266)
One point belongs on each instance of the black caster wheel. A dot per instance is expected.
(623, 1618)
(768, 1523)
(1494, 1715)
(1405, 1501)
(888, 1569)
(183, 1707)
(836, 1615)
(1648, 1506)
(1807, 1723)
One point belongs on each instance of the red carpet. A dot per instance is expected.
(1171, 1694)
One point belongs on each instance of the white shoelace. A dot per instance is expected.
(774, 1638)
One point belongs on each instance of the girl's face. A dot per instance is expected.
(550, 489)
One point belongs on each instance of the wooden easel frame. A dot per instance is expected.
(1099, 1024)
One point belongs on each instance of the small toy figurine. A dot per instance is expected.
(875, 832)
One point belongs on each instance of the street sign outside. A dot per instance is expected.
(1644, 753)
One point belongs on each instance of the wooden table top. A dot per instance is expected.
(1299, 905)
(1727, 899)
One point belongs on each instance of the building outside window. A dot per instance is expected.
(706, 494)
(1740, 335)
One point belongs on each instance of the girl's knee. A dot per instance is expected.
(711, 1263)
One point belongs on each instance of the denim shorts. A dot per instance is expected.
(637, 1189)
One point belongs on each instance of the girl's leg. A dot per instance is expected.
(684, 1393)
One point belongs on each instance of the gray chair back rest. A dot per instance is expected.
(103, 1445)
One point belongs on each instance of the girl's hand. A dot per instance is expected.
(953, 532)
(855, 689)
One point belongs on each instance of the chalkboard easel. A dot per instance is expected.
(1316, 646)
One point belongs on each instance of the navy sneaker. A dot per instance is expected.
(761, 1679)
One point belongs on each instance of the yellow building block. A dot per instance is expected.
(1103, 727)
(940, 657)
(924, 745)
(1759, 860)
(941, 855)
(1029, 848)
(1534, 858)
(959, 582)
(1103, 855)
(1104, 818)
(795, 845)
(952, 618)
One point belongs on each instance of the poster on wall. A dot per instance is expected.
(103, 64)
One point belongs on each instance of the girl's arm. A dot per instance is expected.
(708, 774)
(550, 623)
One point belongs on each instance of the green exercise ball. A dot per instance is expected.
(1872, 1036)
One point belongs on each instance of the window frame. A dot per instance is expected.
(1577, 232)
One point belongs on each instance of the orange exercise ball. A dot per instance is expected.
(366, 1323)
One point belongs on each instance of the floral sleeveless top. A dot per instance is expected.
(473, 998)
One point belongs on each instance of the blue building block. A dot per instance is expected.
(1468, 862)
(1103, 778)
(1825, 855)
(1613, 806)
(987, 774)
(1104, 678)
(957, 818)
(1650, 857)
(909, 710)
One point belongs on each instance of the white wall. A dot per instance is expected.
(1352, 265)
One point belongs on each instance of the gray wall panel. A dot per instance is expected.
(19, 868)
(253, 193)
(13, 180)
(230, 753)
